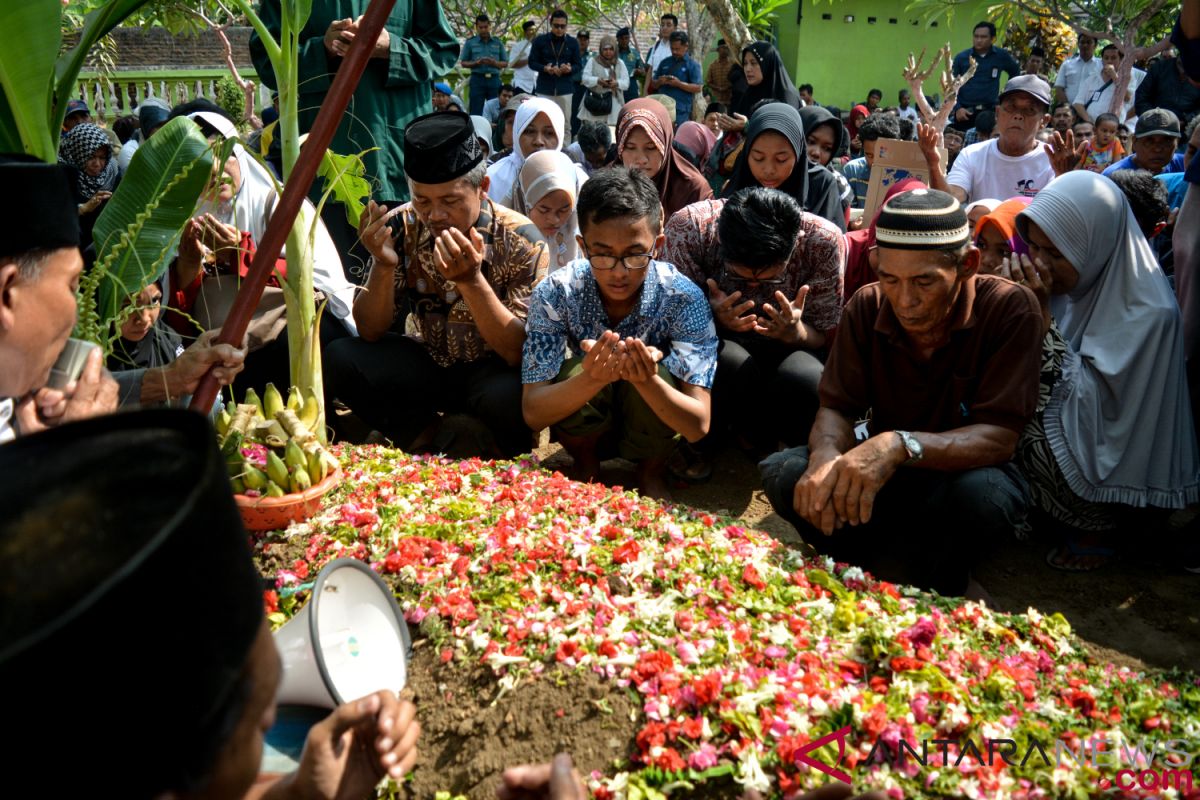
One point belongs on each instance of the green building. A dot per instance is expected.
(846, 48)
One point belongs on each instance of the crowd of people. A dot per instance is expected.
(655, 261)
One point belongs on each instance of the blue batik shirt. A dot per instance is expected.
(672, 315)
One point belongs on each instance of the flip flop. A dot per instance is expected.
(1057, 557)
(688, 465)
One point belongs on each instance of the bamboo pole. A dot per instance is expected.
(296, 190)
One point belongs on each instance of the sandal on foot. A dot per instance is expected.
(1059, 557)
(689, 465)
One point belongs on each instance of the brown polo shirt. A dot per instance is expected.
(987, 373)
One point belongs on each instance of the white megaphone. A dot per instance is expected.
(348, 641)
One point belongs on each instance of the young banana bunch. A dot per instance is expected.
(295, 457)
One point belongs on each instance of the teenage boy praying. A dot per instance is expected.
(620, 349)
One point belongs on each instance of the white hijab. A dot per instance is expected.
(1119, 421)
(504, 173)
(541, 174)
(250, 209)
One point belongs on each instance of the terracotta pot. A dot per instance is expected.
(276, 513)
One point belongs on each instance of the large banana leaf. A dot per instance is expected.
(140, 226)
(96, 26)
(29, 42)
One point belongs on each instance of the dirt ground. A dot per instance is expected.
(1141, 611)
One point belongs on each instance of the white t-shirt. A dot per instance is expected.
(1097, 102)
(908, 113)
(661, 50)
(524, 78)
(982, 171)
(1074, 72)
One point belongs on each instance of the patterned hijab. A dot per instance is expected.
(679, 182)
(77, 147)
(1119, 420)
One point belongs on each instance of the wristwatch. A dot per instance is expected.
(915, 451)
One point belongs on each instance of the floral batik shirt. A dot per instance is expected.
(819, 261)
(514, 260)
(672, 315)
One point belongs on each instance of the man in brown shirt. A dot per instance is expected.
(717, 80)
(931, 379)
(464, 268)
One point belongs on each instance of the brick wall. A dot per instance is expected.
(155, 48)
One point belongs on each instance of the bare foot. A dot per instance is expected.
(651, 480)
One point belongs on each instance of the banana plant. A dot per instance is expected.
(340, 174)
(37, 82)
(140, 225)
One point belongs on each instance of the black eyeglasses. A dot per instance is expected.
(733, 277)
(559, 26)
(631, 262)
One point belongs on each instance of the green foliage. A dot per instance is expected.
(177, 16)
(230, 97)
(759, 15)
(345, 179)
(29, 43)
(1113, 16)
(140, 226)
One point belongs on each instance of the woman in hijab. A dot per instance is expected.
(220, 241)
(996, 235)
(145, 341)
(979, 209)
(861, 255)
(645, 140)
(1116, 429)
(696, 141)
(857, 115)
(605, 74)
(761, 76)
(827, 138)
(549, 187)
(538, 126)
(775, 156)
(87, 152)
(766, 78)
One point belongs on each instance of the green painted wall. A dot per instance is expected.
(844, 60)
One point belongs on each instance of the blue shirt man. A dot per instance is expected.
(485, 57)
(981, 92)
(679, 77)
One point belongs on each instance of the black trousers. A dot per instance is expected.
(396, 387)
(928, 528)
(766, 391)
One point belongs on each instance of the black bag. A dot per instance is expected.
(598, 104)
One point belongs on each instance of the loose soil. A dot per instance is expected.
(471, 730)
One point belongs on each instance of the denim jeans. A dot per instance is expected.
(928, 528)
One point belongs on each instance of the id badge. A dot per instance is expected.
(861, 430)
(995, 73)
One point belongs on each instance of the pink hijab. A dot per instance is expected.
(696, 138)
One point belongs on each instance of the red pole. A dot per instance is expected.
(296, 189)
